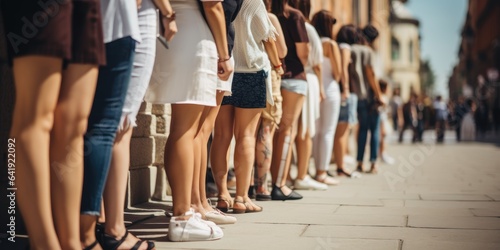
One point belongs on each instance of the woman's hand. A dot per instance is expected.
(224, 69)
(345, 95)
(322, 95)
(139, 2)
(280, 70)
(170, 28)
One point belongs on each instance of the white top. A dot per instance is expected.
(119, 20)
(252, 26)
(316, 52)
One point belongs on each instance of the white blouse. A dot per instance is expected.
(119, 20)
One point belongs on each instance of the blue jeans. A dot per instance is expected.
(369, 119)
(112, 85)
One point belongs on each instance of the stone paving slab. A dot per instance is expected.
(455, 197)
(376, 211)
(440, 245)
(432, 221)
(453, 204)
(403, 233)
(485, 212)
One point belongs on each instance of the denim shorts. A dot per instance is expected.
(348, 110)
(295, 85)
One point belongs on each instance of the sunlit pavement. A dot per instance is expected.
(434, 197)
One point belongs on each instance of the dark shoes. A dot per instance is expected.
(278, 195)
(109, 242)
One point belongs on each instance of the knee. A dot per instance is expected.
(72, 122)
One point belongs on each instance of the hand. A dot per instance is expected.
(139, 2)
(381, 101)
(170, 28)
(224, 70)
(322, 95)
(344, 95)
(280, 70)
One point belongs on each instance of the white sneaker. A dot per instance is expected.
(219, 217)
(309, 184)
(193, 229)
(324, 178)
(387, 159)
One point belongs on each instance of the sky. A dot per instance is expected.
(441, 22)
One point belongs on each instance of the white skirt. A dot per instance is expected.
(186, 73)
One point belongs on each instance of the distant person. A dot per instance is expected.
(468, 126)
(441, 111)
(459, 112)
(396, 105)
(409, 113)
(385, 127)
(419, 129)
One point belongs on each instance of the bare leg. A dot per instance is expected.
(223, 134)
(116, 188)
(179, 155)
(36, 99)
(292, 105)
(340, 144)
(204, 135)
(245, 130)
(66, 155)
(304, 151)
(263, 154)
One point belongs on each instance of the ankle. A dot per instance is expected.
(115, 230)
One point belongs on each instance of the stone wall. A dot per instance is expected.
(147, 178)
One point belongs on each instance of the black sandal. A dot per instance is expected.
(109, 242)
(341, 172)
(91, 246)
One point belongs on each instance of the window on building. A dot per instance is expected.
(411, 51)
(395, 50)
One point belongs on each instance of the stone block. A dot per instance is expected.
(160, 109)
(146, 125)
(141, 152)
(160, 141)
(145, 108)
(162, 188)
(140, 185)
(162, 124)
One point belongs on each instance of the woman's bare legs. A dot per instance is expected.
(219, 152)
(245, 131)
(263, 154)
(199, 195)
(70, 124)
(280, 165)
(116, 188)
(179, 155)
(340, 144)
(36, 100)
(304, 151)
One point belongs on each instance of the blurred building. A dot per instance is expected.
(398, 46)
(405, 50)
(476, 73)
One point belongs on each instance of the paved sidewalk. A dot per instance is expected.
(434, 197)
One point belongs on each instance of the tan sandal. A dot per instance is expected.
(247, 205)
(224, 204)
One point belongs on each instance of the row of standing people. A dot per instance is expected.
(75, 111)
